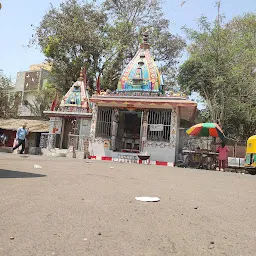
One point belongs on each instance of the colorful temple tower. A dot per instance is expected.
(142, 74)
(77, 98)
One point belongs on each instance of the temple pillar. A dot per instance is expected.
(94, 121)
(115, 120)
(175, 125)
(62, 133)
(144, 128)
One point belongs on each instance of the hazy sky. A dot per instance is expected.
(16, 17)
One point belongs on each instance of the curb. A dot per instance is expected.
(107, 158)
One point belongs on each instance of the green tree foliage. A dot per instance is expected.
(71, 37)
(220, 68)
(104, 38)
(10, 101)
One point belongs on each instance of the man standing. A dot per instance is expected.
(21, 134)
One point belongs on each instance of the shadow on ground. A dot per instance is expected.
(8, 174)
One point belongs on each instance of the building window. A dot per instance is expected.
(104, 119)
(159, 125)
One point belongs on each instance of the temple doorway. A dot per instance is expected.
(70, 127)
(129, 129)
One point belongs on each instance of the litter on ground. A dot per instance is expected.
(147, 199)
(37, 166)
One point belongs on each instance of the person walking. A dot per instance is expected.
(223, 156)
(21, 134)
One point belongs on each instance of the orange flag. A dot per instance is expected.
(54, 103)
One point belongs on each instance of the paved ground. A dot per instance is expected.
(71, 208)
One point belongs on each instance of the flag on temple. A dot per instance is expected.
(54, 103)
(85, 77)
(98, 84)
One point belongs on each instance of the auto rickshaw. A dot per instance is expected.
(250, 159)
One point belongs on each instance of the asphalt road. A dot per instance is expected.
(74, 207)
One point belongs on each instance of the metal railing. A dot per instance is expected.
(48, 140)
(78, 142)
(162, 120)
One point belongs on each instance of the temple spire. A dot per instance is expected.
(81, 78)
(145, 44)
(145, 37)
(141, 74)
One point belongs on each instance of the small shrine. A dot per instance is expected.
(72, 119)
(139, 118)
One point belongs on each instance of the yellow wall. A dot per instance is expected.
(36, 67)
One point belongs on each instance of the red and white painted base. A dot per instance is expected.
(147, 162)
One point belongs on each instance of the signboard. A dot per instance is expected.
(85, 122)
(106, 144)
(156, 127)
(55, 125)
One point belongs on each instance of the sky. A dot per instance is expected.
(17, 16)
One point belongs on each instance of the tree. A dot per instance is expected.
(241, 121)
(219, 68)
(42, 101)
(103, 38)
(9, 102)
(71, 37)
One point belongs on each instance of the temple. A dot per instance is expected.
(72, 119)
(139, 118)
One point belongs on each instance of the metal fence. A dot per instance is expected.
(78, 142)
(162, 119)
(48, 140)
(104, 121)
(192, 143)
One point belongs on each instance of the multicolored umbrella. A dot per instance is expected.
(206, 130)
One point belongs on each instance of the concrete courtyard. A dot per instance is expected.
(75, 207)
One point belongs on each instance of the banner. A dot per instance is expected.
(55, 125)
(156, 127)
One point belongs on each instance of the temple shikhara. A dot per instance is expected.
(138, 119)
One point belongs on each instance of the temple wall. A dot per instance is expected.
(165, 151)
(98, 146)
(85, 127)
(160, 151)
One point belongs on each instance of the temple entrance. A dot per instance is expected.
(70, 127)
(128, 135)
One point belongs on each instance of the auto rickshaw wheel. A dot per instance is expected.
(252, 172)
